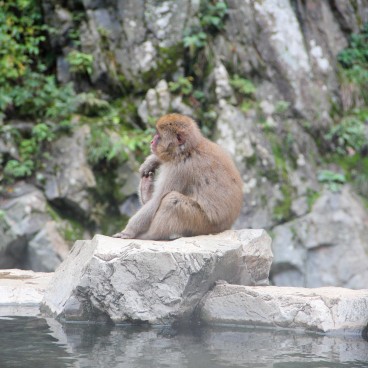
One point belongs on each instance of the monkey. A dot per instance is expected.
(189, 185)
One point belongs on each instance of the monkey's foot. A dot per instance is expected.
(123, 235)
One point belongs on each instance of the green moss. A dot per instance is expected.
(70, 229)
(251, 161)
(312, 196)
(282, 210)
(112, 223)
(355, 168)
(166, 66)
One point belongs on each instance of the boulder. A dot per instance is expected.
(47, 249)
(157, 282)
(68, 177)
(327, 309)
(327, 247)
(23, 209)
(29, 238)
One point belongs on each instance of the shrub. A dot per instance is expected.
(333, 180)
(349, 133)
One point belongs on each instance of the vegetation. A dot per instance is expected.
(182, 85)
(347, 135)
(243, 86)
(333, 180)
(29, 91)
(347, 140)
(354, 61)
(211, 20)
(80, 62)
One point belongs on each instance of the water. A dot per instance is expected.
(36, 343)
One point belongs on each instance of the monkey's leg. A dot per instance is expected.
(178, 216)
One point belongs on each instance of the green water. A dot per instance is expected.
(36, 342)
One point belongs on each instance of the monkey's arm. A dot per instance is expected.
(150, 165)
(146, 184)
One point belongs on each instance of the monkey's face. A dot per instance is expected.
(154, 143)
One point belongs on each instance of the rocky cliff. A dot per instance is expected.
(281, 84)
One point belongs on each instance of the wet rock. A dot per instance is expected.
(22, 288)
(327, 247)
(321, 310)
(68, 177)
(152, 281)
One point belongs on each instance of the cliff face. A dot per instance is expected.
(272, 81)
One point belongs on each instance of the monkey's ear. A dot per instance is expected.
(180, 139)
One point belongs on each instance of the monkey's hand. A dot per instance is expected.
(149, 166)
(146, 187)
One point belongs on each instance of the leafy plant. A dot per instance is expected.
(39, 96)
(194, 40)
(21, 33)
(183, 86)
(18, 169)
(89, 104)
(349, 133)
(333, 180)
(211, 18)
(281, 106)
(106, 146)
(29, 151)
(213, 15)
(354, 61)
(80, 62)
(357, 52)
(243, 86)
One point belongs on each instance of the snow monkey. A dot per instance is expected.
(189, 185)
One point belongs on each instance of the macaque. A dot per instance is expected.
(189, 185)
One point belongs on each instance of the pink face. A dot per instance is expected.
(154, 142)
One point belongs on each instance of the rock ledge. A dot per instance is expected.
(153, 281)
(327, 309)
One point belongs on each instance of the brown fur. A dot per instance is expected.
(198, 189)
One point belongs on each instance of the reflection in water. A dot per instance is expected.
(35, 342)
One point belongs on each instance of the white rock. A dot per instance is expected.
(223, 88)
(153, 281)
(19, 287)
(328, 309)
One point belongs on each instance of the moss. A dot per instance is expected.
(70, 229)
(294, 232)
(355, 168)
(167, 65)
(282, 210)
(251, 161)
(312, 197)
(112, 223)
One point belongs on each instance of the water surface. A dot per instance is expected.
(32, 342)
